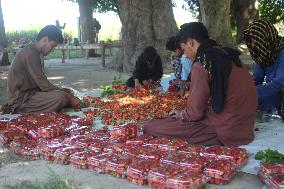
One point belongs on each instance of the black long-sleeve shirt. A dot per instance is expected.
(143, 71)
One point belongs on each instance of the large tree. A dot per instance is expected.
(86, 21)
(86, 9)
(244, 13)
(216, 17)
(3, 40)
(144, 23)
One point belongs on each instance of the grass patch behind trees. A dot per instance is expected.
(106, 34)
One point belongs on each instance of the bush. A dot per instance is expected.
(14, 35)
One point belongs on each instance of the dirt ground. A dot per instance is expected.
(82, 75)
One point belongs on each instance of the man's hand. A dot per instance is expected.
(69, 91)
(76, 102)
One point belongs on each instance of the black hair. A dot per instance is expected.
(172, 44)
(150, 53)
(52, 32)
(195, 30)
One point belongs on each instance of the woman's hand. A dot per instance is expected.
(147, 83)
(137, 84)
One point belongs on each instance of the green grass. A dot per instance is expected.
(51, 184)
(30, 32)
(58, 54)
(73, 54)
(54, 181)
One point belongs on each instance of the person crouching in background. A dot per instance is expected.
(148, 69)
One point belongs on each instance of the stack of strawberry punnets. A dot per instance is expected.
(125, 132)
(123, 151)
(159, 175)
(220, 171)
(117, 165)
(160, 162)
(272, 175)
(237, 155)
(186, 180)
(98, 163)
(139, 168)
(33, 135)
(79, 159)
(193, 164)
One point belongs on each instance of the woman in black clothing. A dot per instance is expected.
(148, 69)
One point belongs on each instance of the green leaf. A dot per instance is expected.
(270, 156)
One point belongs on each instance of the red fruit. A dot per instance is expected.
(139, 168)
(222, 170)
(238, 155)
(272, 168)
(172, 88)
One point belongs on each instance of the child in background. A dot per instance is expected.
(181, 66)
(172, 46)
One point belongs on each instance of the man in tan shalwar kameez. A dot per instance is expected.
(29, 91)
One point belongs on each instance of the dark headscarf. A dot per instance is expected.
(214, 58)
(263, 42)
(150, 55)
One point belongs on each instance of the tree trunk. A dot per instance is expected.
(3, 40)
(86, 22)
(144, 23)
(245, 12)
(216, 17)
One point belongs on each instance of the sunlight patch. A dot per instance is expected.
(56, 78)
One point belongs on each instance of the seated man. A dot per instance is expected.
(267, 50)
(221, 107)
(29, 91)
